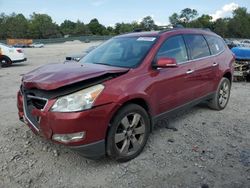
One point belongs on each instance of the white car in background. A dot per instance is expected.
(37, 45)
(9, 55)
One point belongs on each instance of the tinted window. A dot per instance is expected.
(197, 45)
(216, 44)
(174, 47)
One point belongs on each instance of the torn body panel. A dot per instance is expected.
(54, 76)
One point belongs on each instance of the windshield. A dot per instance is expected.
(121, 52)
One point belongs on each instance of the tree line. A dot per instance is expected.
(236, 27)
(41, 26)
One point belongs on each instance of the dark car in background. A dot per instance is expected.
(21, 46)
(230, 43)
(109, 102)
(78, 57)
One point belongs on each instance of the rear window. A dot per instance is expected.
(197, 46)
(216, 44)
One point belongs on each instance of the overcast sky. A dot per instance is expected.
(109, 12)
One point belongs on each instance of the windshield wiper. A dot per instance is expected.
(103, 64)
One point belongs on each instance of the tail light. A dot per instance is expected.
(19, 51)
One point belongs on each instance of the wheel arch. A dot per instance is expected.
(228, 75)
(137, 100)
(5, 56)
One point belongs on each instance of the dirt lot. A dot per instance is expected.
(208, 149)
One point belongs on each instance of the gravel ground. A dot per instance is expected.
(206, 149)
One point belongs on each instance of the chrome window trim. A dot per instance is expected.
(184, 62)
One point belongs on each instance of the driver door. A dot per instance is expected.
(173, 86)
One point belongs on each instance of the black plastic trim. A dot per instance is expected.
(184, 107)
(94, 150)
(19, 61)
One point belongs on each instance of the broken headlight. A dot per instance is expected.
(81, 100)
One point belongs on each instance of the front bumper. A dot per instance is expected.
(93, 122)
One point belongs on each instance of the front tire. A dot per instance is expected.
(222, 95)
(128, 133)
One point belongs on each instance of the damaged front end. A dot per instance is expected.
(242, 70)
(242, 64)
(43, 99)
(36, 101)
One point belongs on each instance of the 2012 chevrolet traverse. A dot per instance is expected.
(108, 103)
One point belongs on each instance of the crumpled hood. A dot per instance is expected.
(54, 76)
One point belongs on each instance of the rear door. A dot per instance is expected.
(173, 86)
(199, 54)
(217, 46)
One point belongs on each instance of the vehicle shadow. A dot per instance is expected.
(168, 122)
(18, 65)
(14, 65)
(63, 155)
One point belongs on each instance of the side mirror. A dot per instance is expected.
(164, 62)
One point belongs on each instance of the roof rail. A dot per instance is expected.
(164, 27)
(171, 27)
(206, 29)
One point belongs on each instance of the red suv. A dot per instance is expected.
(109, 102)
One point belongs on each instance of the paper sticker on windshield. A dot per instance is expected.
(148, 39)
(217, 47)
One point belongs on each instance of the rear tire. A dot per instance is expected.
(128, 133)
(222, 95)
(5, 61)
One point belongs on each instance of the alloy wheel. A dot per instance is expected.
(130, 134)
(224, 94)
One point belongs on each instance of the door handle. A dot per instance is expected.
(190, 71)
(215, 64)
